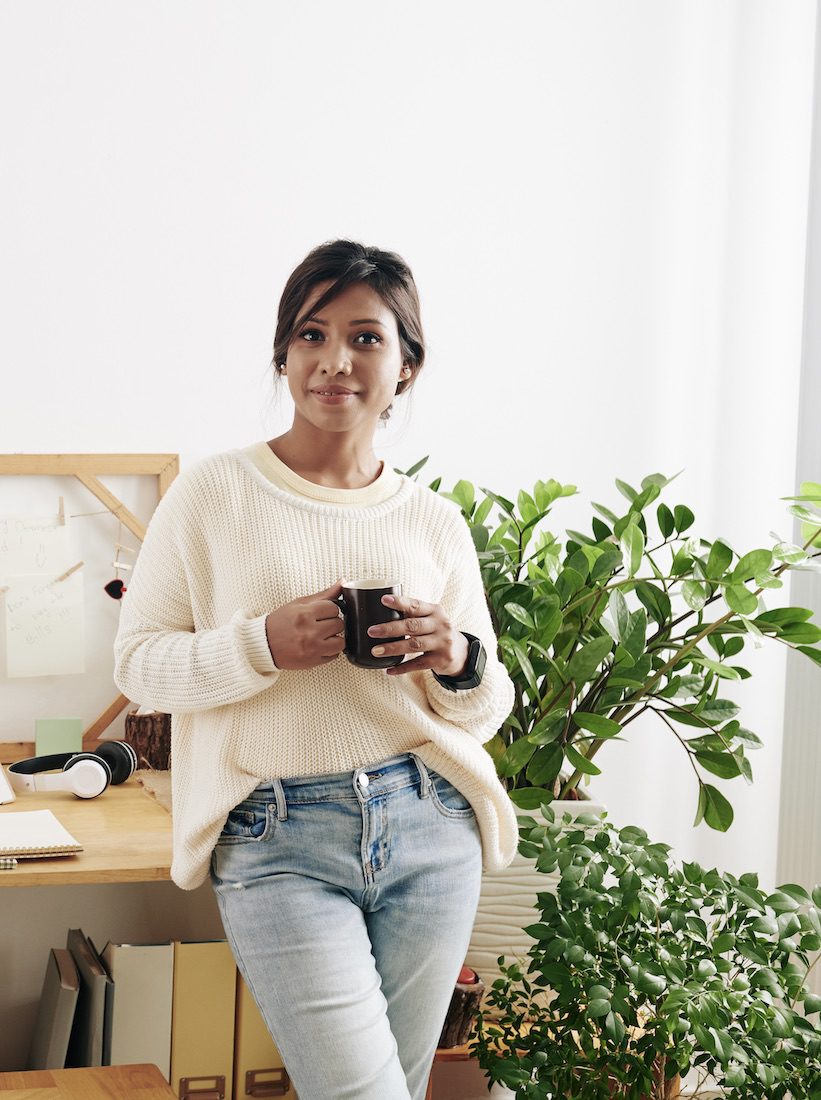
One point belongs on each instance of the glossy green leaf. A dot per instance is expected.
(813, 654)
(465, 494)
(521, 614)
(717, 811)
(632, 548)
(665, 520)
(801, 633)
(481, 513)
(722, 764)
(416, 467)
(757, 561)
(626, 490)
(619, 612)
(524, 664)
(715, 711)
(635, 637)
(527, 798)
(545, 765)
(598, 724)
(684, 517)
(740, 599)
(781, 616)
(515, 757)
(788, 552)
(505, 504)
(694, 594)
(581, 763)
(586, 661)
(718, 560)
(656, 601)
(726, 672)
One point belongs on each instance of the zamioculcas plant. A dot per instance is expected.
(639, 615)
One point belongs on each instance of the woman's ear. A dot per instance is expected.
(406, 372)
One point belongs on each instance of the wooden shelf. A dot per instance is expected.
(125, 833)
(104, 1083)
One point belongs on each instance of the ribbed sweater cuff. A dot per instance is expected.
(457, 705)
(255, 641)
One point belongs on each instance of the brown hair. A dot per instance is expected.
(346, 262)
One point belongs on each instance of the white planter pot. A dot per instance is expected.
(507, 902)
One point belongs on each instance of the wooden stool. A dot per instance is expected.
(447, 1054)
(101, 1083)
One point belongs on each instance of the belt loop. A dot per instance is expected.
(282, 805)
(424, 778)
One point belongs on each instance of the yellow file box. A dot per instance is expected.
(202, 1022)
(258, 1067)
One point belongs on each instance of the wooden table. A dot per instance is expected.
(125, 833)
(447, 1054)
(105, 1083)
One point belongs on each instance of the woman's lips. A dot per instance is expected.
(332, 398)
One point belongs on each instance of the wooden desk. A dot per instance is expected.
(125, 833)
(105, 1083)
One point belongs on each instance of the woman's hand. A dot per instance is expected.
(441, 646)
(307, 631)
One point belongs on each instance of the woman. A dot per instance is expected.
(344, 820)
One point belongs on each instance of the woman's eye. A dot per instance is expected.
(310, 332)
(373, 334)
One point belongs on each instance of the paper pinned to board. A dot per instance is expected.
(33, 544)
(44, 625)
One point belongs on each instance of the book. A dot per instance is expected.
(90, 1038)
(143, 976)
(28, 834)
(55, 1012)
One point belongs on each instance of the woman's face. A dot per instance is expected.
(352, 345)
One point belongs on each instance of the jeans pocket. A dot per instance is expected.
(248, 821)
(447, 799)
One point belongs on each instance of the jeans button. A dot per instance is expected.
(364, 780)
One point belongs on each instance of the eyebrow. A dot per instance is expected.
(361, 321)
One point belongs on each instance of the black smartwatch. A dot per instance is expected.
(471, 677)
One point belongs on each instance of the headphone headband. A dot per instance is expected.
(34, 764)
(86, 774)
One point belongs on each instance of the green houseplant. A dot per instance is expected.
(585, 663)
(654, 969)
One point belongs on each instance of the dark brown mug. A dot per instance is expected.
(361, 605)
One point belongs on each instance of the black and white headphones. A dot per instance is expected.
(85, 774)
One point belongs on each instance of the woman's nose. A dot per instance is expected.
(336, 359)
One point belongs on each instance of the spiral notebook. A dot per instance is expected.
(28, 834)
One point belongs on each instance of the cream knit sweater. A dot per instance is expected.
(226, 545)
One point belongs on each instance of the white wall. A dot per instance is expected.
(604, 206)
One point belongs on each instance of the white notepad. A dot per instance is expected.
(31, 833)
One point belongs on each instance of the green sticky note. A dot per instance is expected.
(58, 735)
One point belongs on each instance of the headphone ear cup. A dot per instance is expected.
(89, 776)
(120, 758)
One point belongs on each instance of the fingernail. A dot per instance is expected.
(387, 599)
(378, 650)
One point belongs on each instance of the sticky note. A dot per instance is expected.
(58, 735)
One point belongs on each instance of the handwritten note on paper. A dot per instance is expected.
(33, 544)
(44, 625)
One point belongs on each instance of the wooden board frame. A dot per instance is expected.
(87, 469)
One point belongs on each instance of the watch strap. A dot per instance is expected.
(471, 677)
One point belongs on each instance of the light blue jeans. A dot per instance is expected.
(348, 901)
